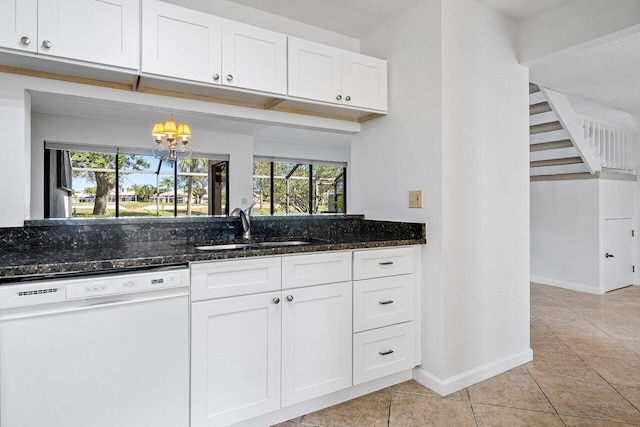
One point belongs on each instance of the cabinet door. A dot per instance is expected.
(181, 43)
(314, 71)
(100, 31)
(364, 81)
(253, 58)
(316, 341)
(235, 359)
(19, 19)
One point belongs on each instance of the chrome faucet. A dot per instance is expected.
(245, 219)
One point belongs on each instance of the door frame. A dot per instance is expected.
(612, 216)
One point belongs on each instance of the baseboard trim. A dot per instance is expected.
(450, 385)
(566, 285)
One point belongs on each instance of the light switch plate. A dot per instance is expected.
(415, 198)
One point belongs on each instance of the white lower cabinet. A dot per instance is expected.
(235, 359)
(316, 341)
(257, 353)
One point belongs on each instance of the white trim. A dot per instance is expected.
(567, 285)
(472, 376)
(541, 118)
(555, 135)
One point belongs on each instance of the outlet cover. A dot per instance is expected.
(244, 201)
(415, 198)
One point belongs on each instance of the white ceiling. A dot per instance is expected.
(608, 74)
(523, 9)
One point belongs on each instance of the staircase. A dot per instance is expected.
(565, 146)
(553, 155)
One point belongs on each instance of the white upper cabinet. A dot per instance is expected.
(364, 81)
(100, 31)
(19, 24)
(191, 45)
(324, 73)
(181, 43)
(315, 71)
(253, 58)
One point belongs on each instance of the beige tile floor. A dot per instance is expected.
(585, 373)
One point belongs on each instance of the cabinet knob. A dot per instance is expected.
(348, 98)
(25, 40)
(46, 44)
(216, 77)
(289, 298)
(339, 97)
(229, 78)
(276, 300)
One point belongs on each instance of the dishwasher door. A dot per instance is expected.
(97, 363)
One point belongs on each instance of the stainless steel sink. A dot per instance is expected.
(278, 244)
(224, 247)
(255, 245)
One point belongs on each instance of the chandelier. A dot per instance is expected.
(171, 139)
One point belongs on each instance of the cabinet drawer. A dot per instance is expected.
(382, 262)
(382, 352)
(219, 279)
(315, 269)
(382, 302)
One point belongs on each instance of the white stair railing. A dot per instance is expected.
(613, 145)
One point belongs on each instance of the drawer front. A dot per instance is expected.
(315, 269)
(382, 302)
(220, 279)
(382, 262)
(382, 352)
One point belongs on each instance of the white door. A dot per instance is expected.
(315, 71)
(364, 81)
(316, 341)
(181, 43)
(19, 24)
(253, 58)
(235, 359)
(100, 31)
(617, 245)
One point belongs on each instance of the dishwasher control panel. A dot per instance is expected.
(60, 290)
(123, 284)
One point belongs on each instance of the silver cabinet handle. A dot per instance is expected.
(384, 353)
(229, 78)
(348, 98)
(25, 40)
(289, 298)
(386, 263)
(276, 300)
(46, 44)
(339, 97)
(389, 301)
(216, 77)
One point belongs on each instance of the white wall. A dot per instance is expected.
(237, 12)
(577, 24)
(485, 193)
(458, 129)
(565, 221)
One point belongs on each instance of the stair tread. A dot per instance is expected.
(563, 177)
(541, 107)
(545, 127)
(555, 162)
(553, 145)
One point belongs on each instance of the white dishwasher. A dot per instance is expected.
(102, 351)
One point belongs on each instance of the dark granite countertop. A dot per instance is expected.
(46, 250)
